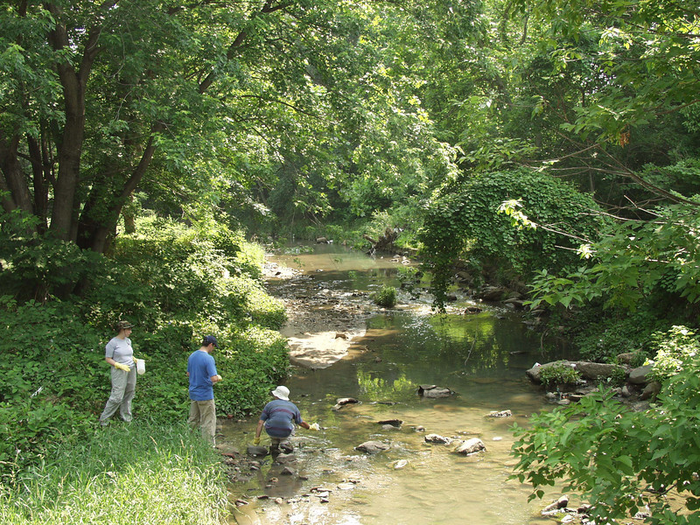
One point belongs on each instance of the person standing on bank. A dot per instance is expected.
(278, 418)
(120, 356)
(201, 370)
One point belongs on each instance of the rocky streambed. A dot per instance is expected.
(411, 409)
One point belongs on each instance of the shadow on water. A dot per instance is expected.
(481, 357)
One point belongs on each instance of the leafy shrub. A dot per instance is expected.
(53, 376)
(601, 338)
(631, 459)
(676, 349)
(385, 297)
(176, 284)
(559, 375)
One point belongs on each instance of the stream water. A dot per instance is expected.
(482, 357)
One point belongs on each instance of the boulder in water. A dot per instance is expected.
(393, 422)
(470, 446)
(342, 401)
(433, 391)
(257, 451)
(437, 438)
(372, 447)
(502, 413)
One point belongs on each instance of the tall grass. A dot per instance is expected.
(127, 473)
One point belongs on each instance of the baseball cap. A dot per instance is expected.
(210, 340)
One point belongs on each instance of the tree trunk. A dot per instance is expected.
(94, 235)
(74, 85)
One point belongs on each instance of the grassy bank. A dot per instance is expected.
(143, 473)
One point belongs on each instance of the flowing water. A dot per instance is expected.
(482, 357)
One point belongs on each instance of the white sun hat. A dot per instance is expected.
(281, 392)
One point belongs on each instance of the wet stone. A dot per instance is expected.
(437, 438)
(502, 413)
(372, 447)
(393, 422)
(470, 446)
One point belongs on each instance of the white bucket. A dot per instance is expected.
(140, 367)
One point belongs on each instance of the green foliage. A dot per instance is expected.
(252, 363)
(34, 266)
(559, 375)
(632, 262)
(601, 337)
(464, 222)
(176, 284)
(612, 456)
(53, 377)
(633, 41)
(385, 297)
(117, 475)
(675, 350)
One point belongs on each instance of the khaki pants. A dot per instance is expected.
(203, 415)
(123, 390)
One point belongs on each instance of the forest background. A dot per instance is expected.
(145, 146)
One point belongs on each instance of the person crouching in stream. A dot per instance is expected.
(278, 418)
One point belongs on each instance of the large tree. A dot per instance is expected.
(98, 95)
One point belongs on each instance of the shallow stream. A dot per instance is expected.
(481, 356)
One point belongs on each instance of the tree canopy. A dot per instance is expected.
(556, 144)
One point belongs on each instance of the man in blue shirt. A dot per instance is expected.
(201, 370)
(278, 417)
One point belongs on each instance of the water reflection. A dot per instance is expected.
(481, 357)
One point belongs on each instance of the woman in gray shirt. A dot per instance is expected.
(120, 356)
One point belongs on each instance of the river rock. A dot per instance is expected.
(626, 358)
(534, 372)
(372, 447)
(433, 391)
(393, 422)
(595, 371)
(514, 303)
(556, 506)
(650, 391)
(346, 401)
(470, 446)
(491, 293)
(588, 369)
(437, 438)
(639, 376)
(257, 451)
(284, 459)
(400, 464)
(502, 413)
(342, 401)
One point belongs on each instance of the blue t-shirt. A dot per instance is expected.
(201, 367)
(278, 416)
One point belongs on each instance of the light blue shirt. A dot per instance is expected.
(120, 350)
